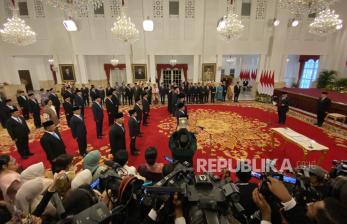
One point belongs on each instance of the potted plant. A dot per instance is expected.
(326, 78)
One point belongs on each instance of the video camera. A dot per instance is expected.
(339, 168)
(208, 199)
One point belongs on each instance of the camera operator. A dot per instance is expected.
(182, 143)
(328, 210)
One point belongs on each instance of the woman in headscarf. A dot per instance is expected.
(9, 179)
(219, 92)
(82, 178)
(91, 162)
(230, 92)
(49, 112)
(33, 171)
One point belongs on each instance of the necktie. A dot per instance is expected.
(19, 120)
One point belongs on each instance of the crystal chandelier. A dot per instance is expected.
(73, 5)
(114, 61)
(173, 62)
(325, 23)
(16, 32)
(230, 27)
(305, 7)
(124, 30)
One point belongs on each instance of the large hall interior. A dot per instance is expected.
(195, 89)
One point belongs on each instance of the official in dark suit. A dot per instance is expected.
(129, 94)
(180, 111)
(139, 113)
(23, 102)
(55, 100)
(174, 100)
(137, 91)
(110, 108)
(134, 130)
(169, 100)
(117, 134)
(68, 109)
(237, 90)
(322, 108)
(282, 108)
(52, 143)
(93, 93)
(162, 93)
(19, 131)
(98, 113)
(145, 109)
(213, 92)
(34, 108)
(79, 101)
(7, 110)
(102, 93)
(68, 93)
(79, 130)
(85, 94)
(224, 90)
(115, 99)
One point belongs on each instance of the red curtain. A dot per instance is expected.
(54, 74)
(109, 67)
(303, 59)
(161, 67)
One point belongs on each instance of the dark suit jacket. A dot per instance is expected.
(34, 107)
(98, 112)
(93, 94)
(323, 105)
(68, 108)
(237, 89)
(179, 114)
(52, 146)
(85, 92)
(55, 100)
(17, 130)
(133, 125)
(137, 92)
(24, 103)
(101, 93)
(283, 105)
(145, 106)
(117, 138)
(69, 94)
(110, 106)
(78, 127)
(109, 90)
(138, 113)
(79, 101)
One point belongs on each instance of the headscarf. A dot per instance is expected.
(33, 171)
(91, 160)
(83, 177)
(6, 179)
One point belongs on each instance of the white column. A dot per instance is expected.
(8, 71)
(219, 68)
(128, 69)
(82, 67)
(152, 69)
(196, 68)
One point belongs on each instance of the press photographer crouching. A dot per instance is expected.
(182, 143)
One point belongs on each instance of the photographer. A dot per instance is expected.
(183, 145)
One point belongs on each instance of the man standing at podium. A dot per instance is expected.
(282, 108)
(322, 108)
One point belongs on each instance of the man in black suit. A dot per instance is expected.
(110, 108)
(117, 135)
(137, 91)
(180, 111)
(23, 102)
(162, 93)
(19, 131)
(174, 98)
(93, 93)
(224, 90)
(52, 143)
(213, 92)
(55, 100)
(138, 109)
(68, 109)
(7, 110)
(2, 113)
(115, 99)
(98, 113)
(85, 95)
(79, 130)
(169, 100)
(68, 93)
(282, 108)
(102, 93)
(79, 101)
(322, 108)
(130, 94)
(134, 130)
(145, 109)
(237, 90)
(109, 89)
(34, 108)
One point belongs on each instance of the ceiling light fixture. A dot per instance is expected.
(325, 23)
(276, 22)
(148, 25)
(294, 23)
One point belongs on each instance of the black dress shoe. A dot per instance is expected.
(135, 153)
(30, 154)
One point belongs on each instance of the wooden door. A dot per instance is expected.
(25, 79)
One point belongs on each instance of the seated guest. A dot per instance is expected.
(64, 163)
(10, 180)
(121, 158)
(5, 213)
(151, 170)
(81, 178)
(91, 162)
(33, 171)
(79, 199)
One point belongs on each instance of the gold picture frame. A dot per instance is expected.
(67, 72)
(208, 72)
(139, 72)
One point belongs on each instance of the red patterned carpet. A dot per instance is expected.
(237, 131)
